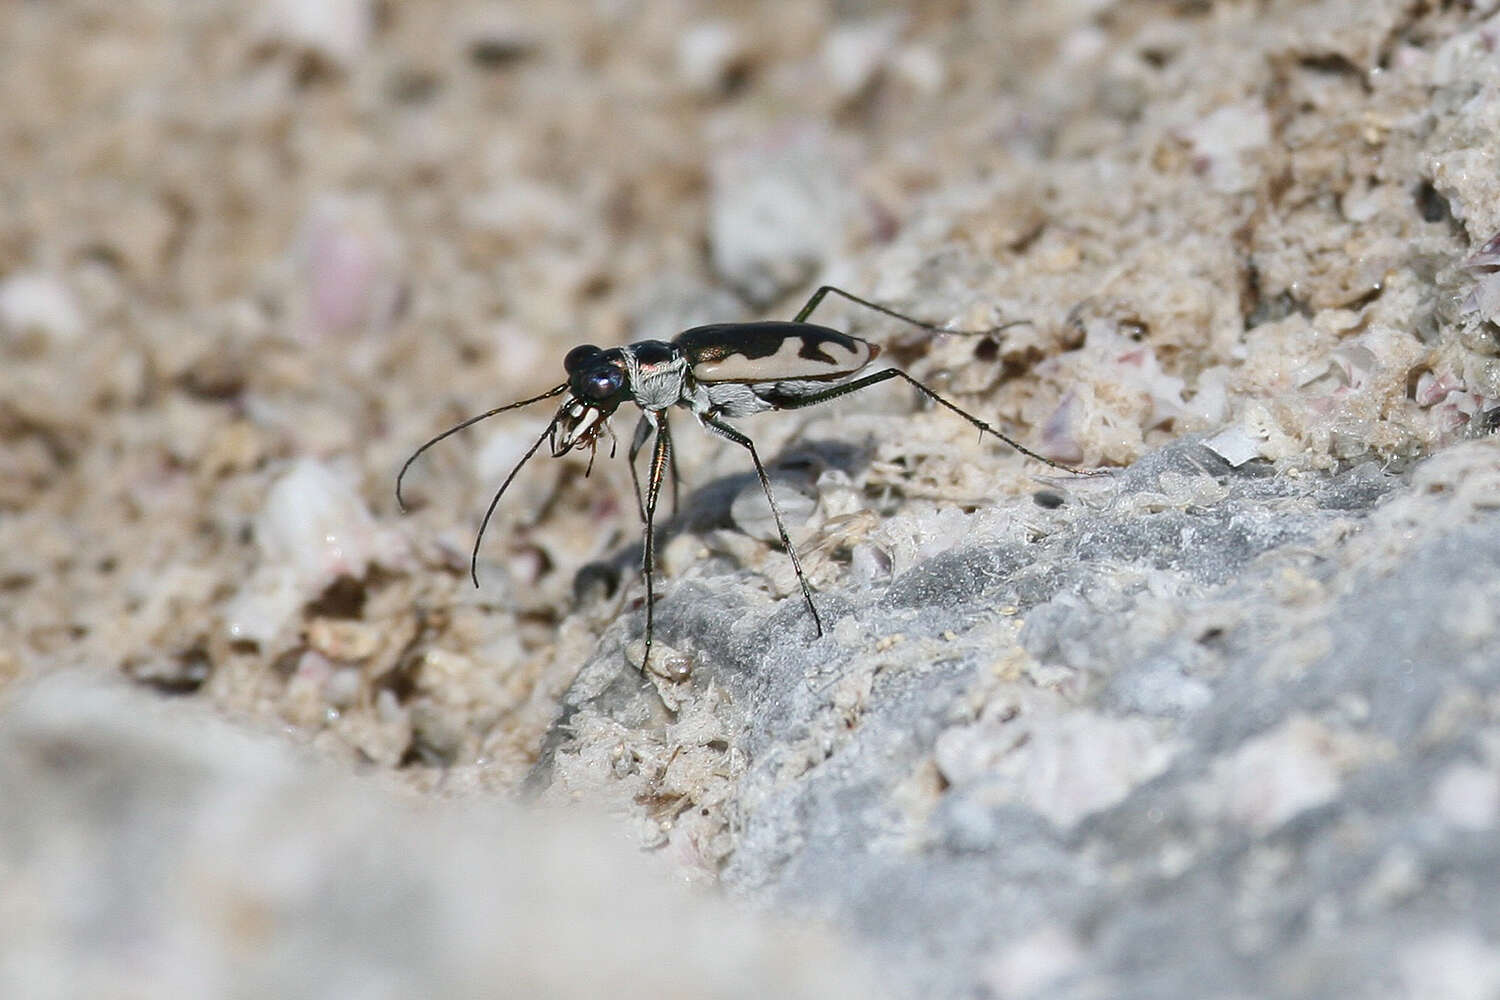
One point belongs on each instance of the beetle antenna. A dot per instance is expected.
(469, 423)
(495, 501)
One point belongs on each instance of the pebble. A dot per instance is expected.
(336, 30)
(796, 498)
(35, 302)
(776, 212)
(709, 54)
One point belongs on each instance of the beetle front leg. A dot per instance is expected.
(638, 441)
(660, 456)
(642, 435)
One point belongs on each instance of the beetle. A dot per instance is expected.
(719, 372)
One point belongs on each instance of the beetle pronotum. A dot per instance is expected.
(718, 372)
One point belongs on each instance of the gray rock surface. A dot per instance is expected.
(1243, 745)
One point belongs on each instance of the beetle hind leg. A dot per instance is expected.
(731, 434)
(834, 392)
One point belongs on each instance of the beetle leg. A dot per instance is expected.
(730, 434)
(659, 462)
(666, 432)
(823, 291)
(834, 392)
(642, 435)
(638, 441)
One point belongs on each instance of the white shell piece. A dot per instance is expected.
(1234, 445)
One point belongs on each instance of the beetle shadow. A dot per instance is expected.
(707, 508)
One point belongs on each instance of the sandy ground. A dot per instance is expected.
(251, 256)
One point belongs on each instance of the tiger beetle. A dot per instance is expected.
(719, 372)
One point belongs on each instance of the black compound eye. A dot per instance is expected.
(603, 384)
(578, 355)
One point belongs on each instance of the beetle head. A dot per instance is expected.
(597, 386)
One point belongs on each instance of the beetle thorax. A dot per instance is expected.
(656, 373)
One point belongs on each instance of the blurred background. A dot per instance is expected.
(251, 255)
(251, 244)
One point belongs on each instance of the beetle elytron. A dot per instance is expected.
(718, 372)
